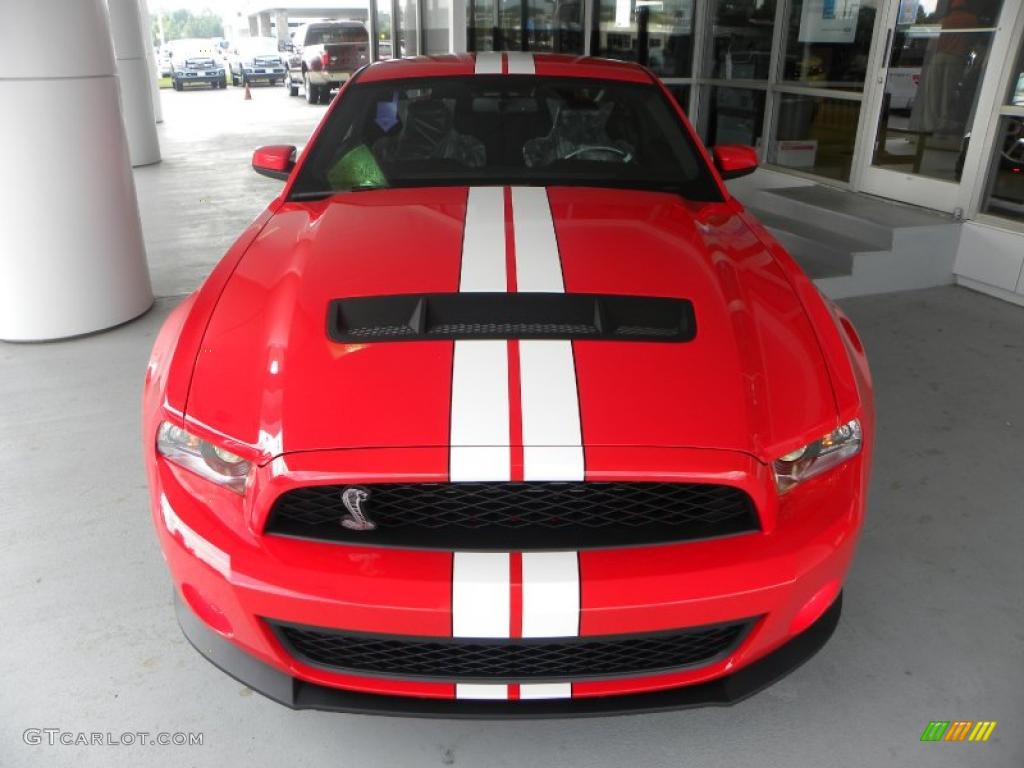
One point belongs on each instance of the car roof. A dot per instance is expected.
(544, 64)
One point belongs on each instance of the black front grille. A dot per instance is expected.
(519, 516)
(520, 660)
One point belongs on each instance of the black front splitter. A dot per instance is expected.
(298, 694)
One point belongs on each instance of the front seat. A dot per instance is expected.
(428, 133)
(574, 132)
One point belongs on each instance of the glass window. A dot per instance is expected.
(815, 135)
(741, 39)
(383, 24)
(736, 116)
(827, 43)
(555, 25)
(435, 26)
(551, 25)
(456, 131)
(1016, 96)
(483, 31)
(936, 66)
(663, 27)
(408, 44)
(1005, 193)
(1006, 180)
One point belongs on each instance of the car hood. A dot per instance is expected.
(268, 374)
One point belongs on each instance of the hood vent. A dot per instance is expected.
(450, 316)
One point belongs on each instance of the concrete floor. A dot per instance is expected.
(933, 626)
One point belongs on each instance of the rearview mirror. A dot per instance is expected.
(734, 160)
(275, 161)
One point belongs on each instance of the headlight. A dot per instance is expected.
(817, 457)
(216, 464)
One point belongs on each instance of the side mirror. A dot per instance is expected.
(275, 161)
(734, 160)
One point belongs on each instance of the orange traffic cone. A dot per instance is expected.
(248, 95)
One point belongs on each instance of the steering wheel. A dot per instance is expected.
(626, 156)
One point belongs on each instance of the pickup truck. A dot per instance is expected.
(256, 59)
(326, 54)
(196, 62)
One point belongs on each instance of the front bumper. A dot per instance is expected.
(301, 694)
(236, 578)
(263, 74)
(199, 79)
(328, 78)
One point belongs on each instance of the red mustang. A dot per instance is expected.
(504, 407)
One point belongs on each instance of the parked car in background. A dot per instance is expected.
(326, 55)
(196, 62)
(256, 60)
(163, 61)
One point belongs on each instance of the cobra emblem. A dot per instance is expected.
(354, 498)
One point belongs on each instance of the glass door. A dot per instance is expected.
(927, 85)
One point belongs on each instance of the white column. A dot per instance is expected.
(254, 30)
(457, 26)
(265, 24)
(72, 259)
(281, 21)
(136, 82)
(154, 73)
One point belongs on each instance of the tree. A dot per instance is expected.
(183, 23)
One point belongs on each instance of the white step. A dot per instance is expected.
(852, 244)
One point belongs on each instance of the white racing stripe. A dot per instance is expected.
(480, 422)
(551, 608)
(520, 63)
(538, 265)
(481, 606)
(551, 594)
(488, 64)
(480, 412)
(552, 437)
(545, 691)
(481, 594)
(483, 242)
(480, 691)
(552, 444)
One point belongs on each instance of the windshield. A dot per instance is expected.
(258, 46)
(489, 130)
(195, 49)
(336, 34)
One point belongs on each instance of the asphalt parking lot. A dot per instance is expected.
(928, 632)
